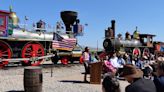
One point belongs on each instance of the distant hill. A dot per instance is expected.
(92, 48)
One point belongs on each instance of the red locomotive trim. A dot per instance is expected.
(4, 12)
(6, 53)
(32, 49)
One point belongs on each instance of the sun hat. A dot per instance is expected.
(131, 71)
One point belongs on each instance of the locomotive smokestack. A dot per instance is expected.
(68, 17)
(113, 27)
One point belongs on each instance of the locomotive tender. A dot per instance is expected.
(135, 45)
(20, 44)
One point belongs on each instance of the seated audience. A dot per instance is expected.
(121, 61)
(108, 67)
(113, 60)
(127, 59)
(138, 63)
(147, 72)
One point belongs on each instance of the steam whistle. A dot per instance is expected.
(68, 17)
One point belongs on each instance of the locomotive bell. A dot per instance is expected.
(68, 17)
(14, 18)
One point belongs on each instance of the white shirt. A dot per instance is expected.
(86, 56)
(114, 62)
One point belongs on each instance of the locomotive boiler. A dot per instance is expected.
(115, 44)
(20, 33)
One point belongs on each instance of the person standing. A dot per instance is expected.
(137, 83)
(159, 81)
(86, 55)
(86, 58)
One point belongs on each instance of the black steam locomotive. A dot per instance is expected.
(136, 44)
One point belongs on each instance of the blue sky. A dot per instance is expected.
(148, 15)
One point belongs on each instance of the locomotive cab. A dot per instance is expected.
(146, 39)
(4, 15)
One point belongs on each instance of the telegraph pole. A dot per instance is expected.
(97, 46)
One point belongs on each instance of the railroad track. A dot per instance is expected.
(43, 66)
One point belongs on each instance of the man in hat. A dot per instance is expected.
(137, 83)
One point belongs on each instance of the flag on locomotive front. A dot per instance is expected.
(61, 43)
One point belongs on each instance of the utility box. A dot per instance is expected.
(95, 73)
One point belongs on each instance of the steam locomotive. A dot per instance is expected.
(135, 45)
(18, 43)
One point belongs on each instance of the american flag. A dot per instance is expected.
(61, 43)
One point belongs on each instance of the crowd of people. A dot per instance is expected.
(143, 73)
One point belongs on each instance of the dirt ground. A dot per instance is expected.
(78, 78)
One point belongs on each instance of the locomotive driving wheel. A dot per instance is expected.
(32, 50)
(5, 53)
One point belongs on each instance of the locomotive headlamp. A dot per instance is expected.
(107, 44)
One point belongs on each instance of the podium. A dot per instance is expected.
(95, 72)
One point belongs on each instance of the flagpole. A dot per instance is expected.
(25, 19)
(11, 6)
